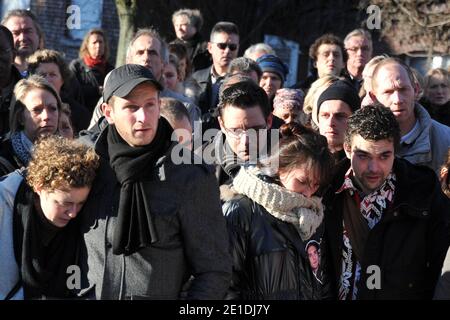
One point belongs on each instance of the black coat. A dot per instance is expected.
(90, 79)
(269, 258)
(5, 101)
(408, 244)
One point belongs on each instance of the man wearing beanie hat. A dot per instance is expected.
(274, 74)
(331, 112)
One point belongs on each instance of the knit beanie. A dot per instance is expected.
(339, 90)
(271, 63)
(289, 98)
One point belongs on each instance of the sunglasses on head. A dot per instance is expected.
(223, 46)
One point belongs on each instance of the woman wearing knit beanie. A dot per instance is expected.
(273, 217)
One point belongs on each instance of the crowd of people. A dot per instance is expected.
(192, 173)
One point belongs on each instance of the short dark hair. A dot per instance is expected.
(244, 95)
(224, 27)
(245, 66)
(328, 38)
(373, 122)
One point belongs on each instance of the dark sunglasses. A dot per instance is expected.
(223, 46)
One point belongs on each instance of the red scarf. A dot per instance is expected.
(99, 63)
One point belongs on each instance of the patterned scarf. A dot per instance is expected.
(371, 207)
(22, 146)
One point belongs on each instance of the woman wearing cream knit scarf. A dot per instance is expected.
(273, 218)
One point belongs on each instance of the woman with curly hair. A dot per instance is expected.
(273, 216)
(39, 232)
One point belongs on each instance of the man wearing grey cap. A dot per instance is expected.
(151, 227)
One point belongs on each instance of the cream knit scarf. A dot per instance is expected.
(306, 214)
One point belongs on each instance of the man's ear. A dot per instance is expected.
(107, 110)
(209, 47)
(222, 127)
(347, 150)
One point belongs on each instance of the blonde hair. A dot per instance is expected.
(22, 88)
(60, 164)
(433, 73)
(317, 88)
(84, 49)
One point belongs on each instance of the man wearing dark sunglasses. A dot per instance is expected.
(223, 47)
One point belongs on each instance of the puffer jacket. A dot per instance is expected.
(269, 257)
(408, 244)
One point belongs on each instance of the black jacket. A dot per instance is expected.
(408, 244)
(5, 101)
(90, 80)
(197, 51)
(269, 258)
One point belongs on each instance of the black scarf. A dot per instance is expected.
(134, 165)
(43, 251)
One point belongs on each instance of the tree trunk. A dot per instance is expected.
(126, 10)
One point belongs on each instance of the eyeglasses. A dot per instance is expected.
(239, 133)
(223, 46)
